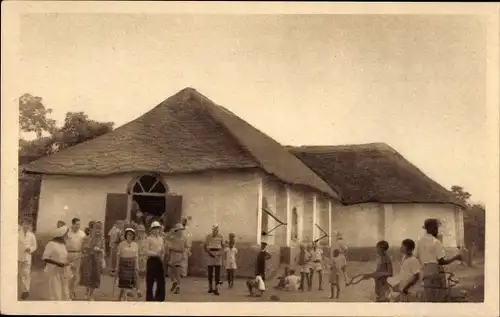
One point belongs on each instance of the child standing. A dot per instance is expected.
(336, 269)
(383, 271)
(302, 260)
(409, 273)
(258, 283)
(230, 261)
(316, 266)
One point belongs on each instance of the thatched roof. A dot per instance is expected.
(372, 173)
(185, 133)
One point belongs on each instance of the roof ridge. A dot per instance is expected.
(193, 93)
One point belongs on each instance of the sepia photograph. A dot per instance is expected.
(314, 158)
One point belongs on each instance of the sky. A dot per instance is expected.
(417, 83)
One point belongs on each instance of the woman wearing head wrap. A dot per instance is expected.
(55, 257)
(92, 260)
(128, 264)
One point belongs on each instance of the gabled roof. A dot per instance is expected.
(185, 133)
(372, 173)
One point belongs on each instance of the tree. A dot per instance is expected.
(460, 193)
(474, 220)
(33, 116)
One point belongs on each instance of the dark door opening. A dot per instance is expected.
(153, 208)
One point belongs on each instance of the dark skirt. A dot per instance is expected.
(90, 270)
(127, 274)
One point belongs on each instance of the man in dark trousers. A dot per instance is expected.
(214, 249)
(155, 272)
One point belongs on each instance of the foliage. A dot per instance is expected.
(474, 220)
(34, 117)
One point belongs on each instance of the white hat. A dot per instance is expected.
(178, 227)
(60, 232)
(130, 229)
(215, 226)
(155, 224)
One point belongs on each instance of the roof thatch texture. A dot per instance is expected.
(185, 133)
(372, 173)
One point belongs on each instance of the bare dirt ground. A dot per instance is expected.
(194, 289)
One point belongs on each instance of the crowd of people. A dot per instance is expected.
(141, 255)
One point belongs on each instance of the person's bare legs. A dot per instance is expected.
(310, 280)
(320, 280)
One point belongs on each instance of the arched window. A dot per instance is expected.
(149, 184)
(295, 225)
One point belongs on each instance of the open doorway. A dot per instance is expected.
(148, 200)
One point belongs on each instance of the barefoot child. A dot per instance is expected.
(316, 266)
(258, 283)
(409, 274)
(230, 253)
(383, 271)
(336, 269)
(302, 260)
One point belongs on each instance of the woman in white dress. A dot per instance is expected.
(57, 272)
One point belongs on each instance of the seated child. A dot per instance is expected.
(257, 283)
(281, 279)
(382, 272)
(292, 281)
(405, 283)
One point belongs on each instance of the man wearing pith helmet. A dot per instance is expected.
(214, 248)
(431, 253)
(155, 272)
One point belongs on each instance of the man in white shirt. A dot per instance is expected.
(74, 246)
(187, 235)
(430, 251)
(155, 272)
(26, 246)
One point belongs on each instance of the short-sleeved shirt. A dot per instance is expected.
(409, 267)
(155, 246)
(128, 250)
(74, 240)
(55, 251)
(429, 249)
(214, 242)
(316, 255)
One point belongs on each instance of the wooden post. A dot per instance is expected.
(330, 225)
(259, 209)
(315, 215)
(288, 217)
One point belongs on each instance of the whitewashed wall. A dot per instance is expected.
(359, 224)
(408, 219)
(229, 199)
